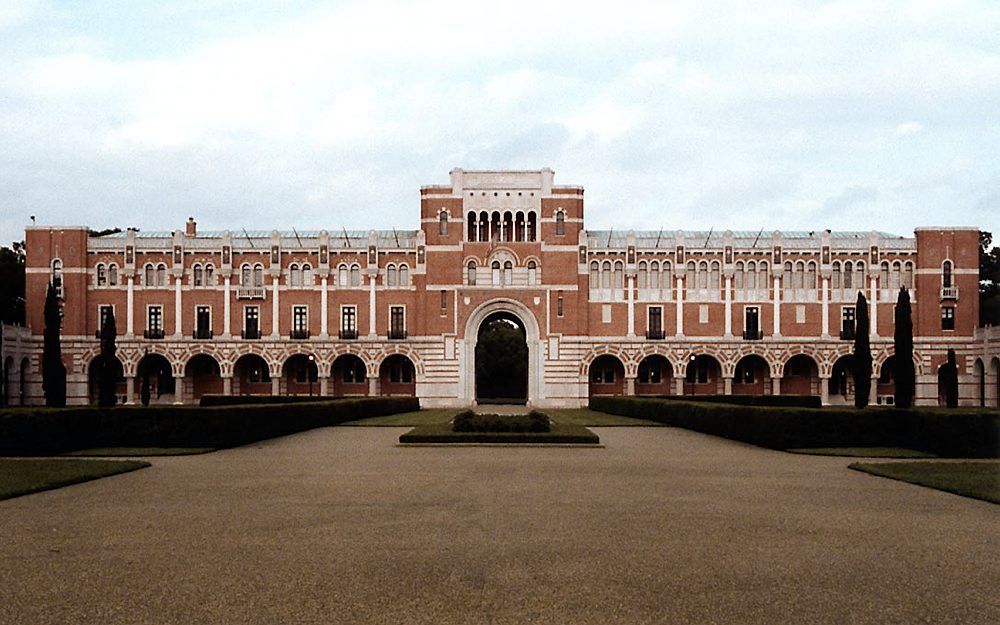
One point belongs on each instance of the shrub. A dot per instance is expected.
(469, 421)
(789, 401)
(47, 431)
(244, 400)
(957, 433)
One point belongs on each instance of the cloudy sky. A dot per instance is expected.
(778, 114)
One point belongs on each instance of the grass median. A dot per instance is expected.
(979, 480)
(31, 475)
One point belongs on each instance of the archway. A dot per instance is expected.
(607, 376)
(350, 376)
(301, 376)
(841, 384)
(94, 372)
(251, 376)
(205, 376)
(156, 369)
(995, 372)
(502, 360)
(979, 373)
(22, 382)
(752, 376)
(8, 366)
(703, 376)
(397, 377)
(885, 391)
(801, 376)
(532, 338)
(655, 376)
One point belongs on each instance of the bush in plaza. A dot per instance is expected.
(957, 433)
(46, 431)
(469, 421)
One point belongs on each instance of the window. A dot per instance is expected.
(847, 322)
(496, 273)
(471, 273)
(246, 278)
(532, 227)
(209, 275)
(560, 223)
(559, 304)
(650, 371)
(619, 276)
(391, 276)
(57, 282)
(946, 274)
(161, 275)
(948, 318)
(470, 224)
(300, 319)
(643, 277)
(443, 223)
(532, 272)
(112, 275)
(154, 322)
(400, 372)
(103, 312)
(202, 322)
(444, 301)
(342, 275)
(603, 374)
(258, 275)
(198, 275)
(404, 275)
(149, 277)
(655, 321)
(397, 322)
(595, 275)
(348, 319)
(751, 323)
(102, 275)
(294, 275)
(251, 322)
(508, 273)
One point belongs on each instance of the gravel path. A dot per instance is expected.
(341, 526)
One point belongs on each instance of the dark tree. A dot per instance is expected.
(145, 392)
(989, 281)
(12, 284)
(903, 370)
(951, 381)
(108, 381)
(53, 369)
(862, 354)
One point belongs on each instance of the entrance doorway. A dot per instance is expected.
(502, 360)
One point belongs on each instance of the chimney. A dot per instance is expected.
(192, 227)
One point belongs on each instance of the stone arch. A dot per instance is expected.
(162, 374)
(204, 371)
(752, 375)
(629, 363)
(300, 374)
(800, 375)
(532, 338)
(251, 374)
(703, 375)
(401, 349)
(606, 375)
(349, 375)
(397, 376)
(93, 378)
(655, 375)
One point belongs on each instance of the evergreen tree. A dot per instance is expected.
(862, 353)
(145, 392)
(108, 381)
(903, 370)
(951, 380)
(53, 369)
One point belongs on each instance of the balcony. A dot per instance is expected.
(250, 292)
(655, 335)
(847, 334)
(949, 292)
(251, 333)
(753, 334)
(153, 334)
(348, 335)
(202, 333)
(299, 335)
(397, 334)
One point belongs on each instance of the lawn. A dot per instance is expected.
(864, 452)
(25, 476)
(570, 416)
(110, 452)
(979, 480)
(409, 419)
(561, 434)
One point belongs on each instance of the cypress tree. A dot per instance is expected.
(902, 340)
(53, 369)
(951, 381)
(109, 371)
(862, 353)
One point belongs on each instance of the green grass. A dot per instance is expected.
(979, 480)
(409, 419)
(561, 433)
(110, 452)
(22, 477)
(591, 418)
(863, 452)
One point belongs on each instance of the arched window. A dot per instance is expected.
(532, 272)
(643, 277)
(258, 275)
(714, 281)
(198, 275)
(484, 224)
(798, 283)
(835, 276)
(443, 223)
(508, 226)
(343, 276)
(848, 275)
(496, 272)
(245, 275)
(811, 275)
(102, 275)
(471, 273)
(495, 222)
(532, 226)
(149, 277)
(294, 275)
(113, 274)
(894, 277)
(470, 226)
(606, 275)
(306, 274)
(946, 274)
(209, 275)
(667, 276)
(595, 275)
(519, 223)
(883, 275)
(654, 275)
(161, 275)
(404, 275)
(703, 275)
(738, 276)
(908, 275)
(751, 279)
(619, 276)
(355, 275)
(508, 273)
(560, 223)
(391, 276)
(859, 275)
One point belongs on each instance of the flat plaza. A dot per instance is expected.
(339, 525)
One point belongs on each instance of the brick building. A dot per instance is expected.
(394, 312)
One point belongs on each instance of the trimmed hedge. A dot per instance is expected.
(787, 401)
(442, 433)
(248, 400)
(469, 421)
(968, 433)
(47, 431)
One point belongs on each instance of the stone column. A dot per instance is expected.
(630, 386)
(129, 304)
(179, 389)
(322, 307)
(373, 387)
(225, 307)
(776, 385)
(130, 390)
(680, 306)
(824, 390)
(873, 306)
(729, 308)
(275, 385)
(227, 385)
(371, 306)
(727, 384)
(630, 283)
(873, 393)
(275, 309)
(324, 386)
(679, 385)
(826, 306)
(777, 307)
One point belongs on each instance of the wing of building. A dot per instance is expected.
(399, 312)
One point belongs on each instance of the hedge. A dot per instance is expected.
(48, 431)
(469, 421)
(244, 400)
(788, 401)
(973, 433)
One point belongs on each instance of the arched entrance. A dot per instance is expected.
(350, 377)
(801, 376)
(251, 376)
(655, 377)
(502, 360)
(397, 377)
(752, 376)
(841, 384)
(156, 369)
(94, 373)
(301, 375)
(703, 376)
(885, 392)
(607, 376)
(532, 332)
(979, 371)
(205, 376)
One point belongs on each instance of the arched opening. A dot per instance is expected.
(885, 392)
(607, 376)
(94, 373)
(205, 378)
(22, 382)
(251, 376)
(8, 366)
(841, 384)
(800, 377)
(979, 372)
(397, 377)
(752, 376)
(655, 376)
(995, 372)
(154, 369)
(704, 376)
(301, 376)
(350, 377)
(942, 384)
(502, 359)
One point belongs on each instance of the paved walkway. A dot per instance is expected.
(340, 526)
